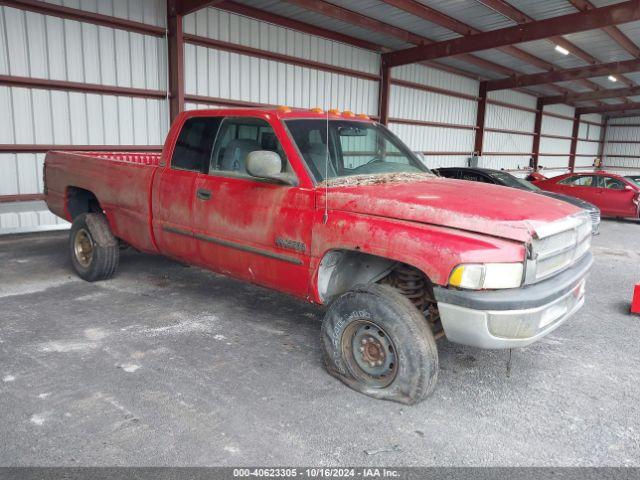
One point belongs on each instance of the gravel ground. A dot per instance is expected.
(170, 365)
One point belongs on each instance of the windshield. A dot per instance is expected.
(355, 148)
(634, 178)
(509, 180)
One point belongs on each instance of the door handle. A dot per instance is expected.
(203, 194)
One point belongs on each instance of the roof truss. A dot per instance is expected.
(537, 30)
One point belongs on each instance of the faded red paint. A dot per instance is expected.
(276, 235)
(612, 203)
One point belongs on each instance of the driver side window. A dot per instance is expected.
(237, 138)
(612, 183)
(579, 181)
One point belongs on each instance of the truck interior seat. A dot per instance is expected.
(235, 155)
(317, 153)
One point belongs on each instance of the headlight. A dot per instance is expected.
(487, 276)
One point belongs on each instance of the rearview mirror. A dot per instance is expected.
(352, 132)
(268, 164)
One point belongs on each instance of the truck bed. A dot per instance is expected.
(121, 180)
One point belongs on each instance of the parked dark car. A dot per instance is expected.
(500, 177)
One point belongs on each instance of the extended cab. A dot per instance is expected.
(334, 209)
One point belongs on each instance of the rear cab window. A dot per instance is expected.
(194, 144)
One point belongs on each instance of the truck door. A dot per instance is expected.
(254, 229)
(174, 192)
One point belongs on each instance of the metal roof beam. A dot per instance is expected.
(509, 11)
(538, 30)
(434, 16)
(286, 22)
(614, 32)
(354, 18)
(591, 96)
(427, 13)
(184, 7)
(600, 70)
(620, 107)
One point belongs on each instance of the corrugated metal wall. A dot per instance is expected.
(511, 150)
(217, 73)
(47, 47)
(622, 145)
(452, 118)
(433, 111)
(589, 136)
(557, 149)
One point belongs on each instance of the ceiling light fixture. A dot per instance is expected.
(612, 78)
(562, 50)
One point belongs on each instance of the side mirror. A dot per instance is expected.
(268, 164)
(629, 187)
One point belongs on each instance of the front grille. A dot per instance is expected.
(595, 217)
(559, 245)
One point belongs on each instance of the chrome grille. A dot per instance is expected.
(595, 219)
(559, 245)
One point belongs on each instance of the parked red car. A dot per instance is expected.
(615, 195)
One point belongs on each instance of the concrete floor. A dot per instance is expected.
(169, 365)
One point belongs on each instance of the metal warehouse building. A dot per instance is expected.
(394, 236)
(107, 75)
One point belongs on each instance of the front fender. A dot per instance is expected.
(432, 249)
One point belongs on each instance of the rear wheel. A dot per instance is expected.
(93, 249)
(378, 343)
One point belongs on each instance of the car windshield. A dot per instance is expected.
(634, 178)
(512, 181)
(354, 148)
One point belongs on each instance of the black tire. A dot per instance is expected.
(93, 249)
(408, 370)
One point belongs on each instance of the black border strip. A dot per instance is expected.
(237, 246)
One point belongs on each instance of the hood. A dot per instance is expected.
(476, 207)
(578, 202)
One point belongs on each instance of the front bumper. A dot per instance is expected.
(595, 221)
(513, 317)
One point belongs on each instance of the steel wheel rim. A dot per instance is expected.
(370, 353)
(83, 247)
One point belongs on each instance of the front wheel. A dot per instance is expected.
(93, 249)
(378, 343)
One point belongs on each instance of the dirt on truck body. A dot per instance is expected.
(335, 209)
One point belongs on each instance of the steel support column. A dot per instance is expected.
(537, 130)
(175, 40)
(574, 141)
(603, 139)
(385, 92)
(480, 117)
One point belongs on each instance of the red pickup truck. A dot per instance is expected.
(333, 208)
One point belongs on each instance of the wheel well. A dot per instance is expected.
(81, 201)
(341, 270)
